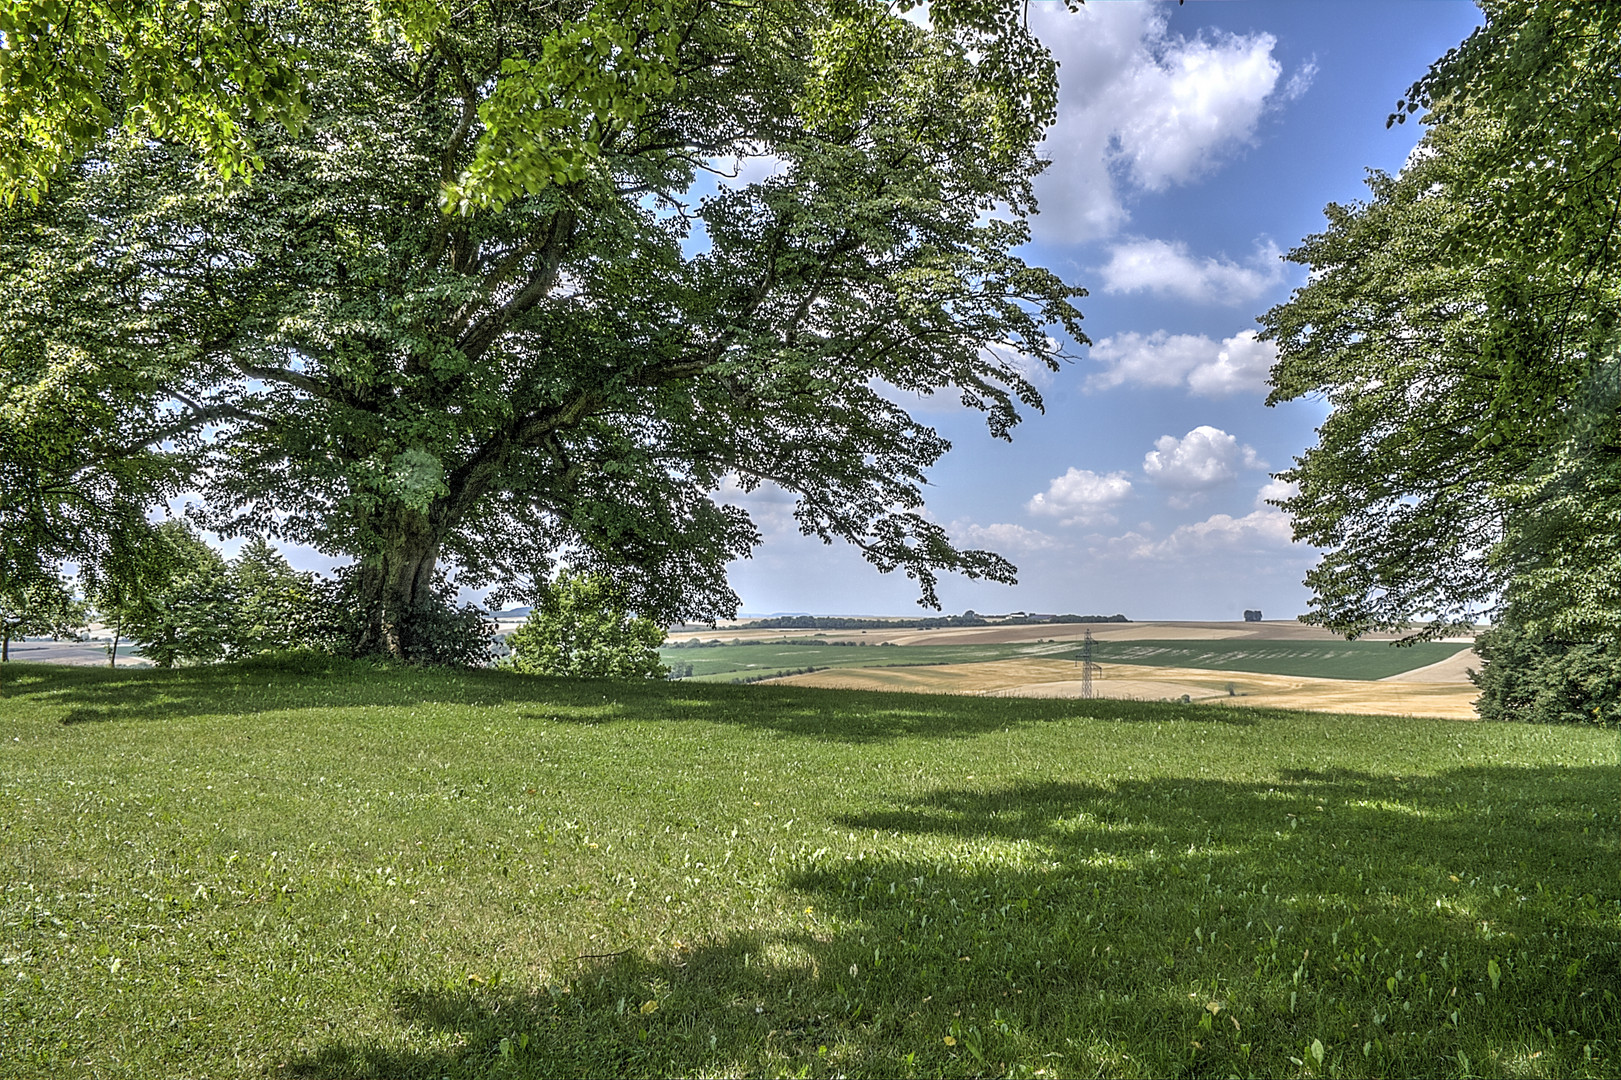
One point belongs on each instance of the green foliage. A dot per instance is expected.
(492, 875)
(270, 600)
(43, 604)
(581, 629)
(181, 610)
(562, 366)
(201, 73)
(1534, 679)
(1462, 326)
(440, 634)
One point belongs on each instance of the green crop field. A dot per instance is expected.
(724, 663)
(1324, 660)
(331, 870)
(1321, 660)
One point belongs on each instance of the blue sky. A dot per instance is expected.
(1194, 145)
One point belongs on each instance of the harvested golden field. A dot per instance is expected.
(1400, 696)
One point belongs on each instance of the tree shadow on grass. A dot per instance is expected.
(85, 696)
(1150, 927)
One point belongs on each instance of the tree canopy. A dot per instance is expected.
(1462, 326)
(476, 308)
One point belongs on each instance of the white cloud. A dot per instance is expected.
(1001, 537)
(1082, 496)
(1275, 491)
(1265, 530)
(1201, 459)
(1300, 81)
(1142, 105)
(1259, 529)
(739, 171)
(1206, 367)
(769, 506)
(1157, 266)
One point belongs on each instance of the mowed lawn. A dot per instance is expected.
(339, 871)
(1313, 659)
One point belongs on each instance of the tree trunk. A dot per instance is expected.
(112, 653)
(390, 585)
(5, 646)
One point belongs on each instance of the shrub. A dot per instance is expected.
(1541, 681)
(581, 628)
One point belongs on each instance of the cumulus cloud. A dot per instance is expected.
(769, 506)
(1201, 459)
(1167, 269)
(1143, 107)
(1275, 491)
(1082, 496)
(1259, 529)
(1210, 368)
(1264, 531)
(1001, 537)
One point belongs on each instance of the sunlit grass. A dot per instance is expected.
(253, 870)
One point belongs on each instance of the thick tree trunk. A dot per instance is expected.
(392, 584)
(5, 646)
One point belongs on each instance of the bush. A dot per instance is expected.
(581, 629)
(1540, 681)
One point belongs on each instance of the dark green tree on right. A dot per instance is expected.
(1464, 325)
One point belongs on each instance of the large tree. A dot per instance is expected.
(1462, 326)
(573, 358)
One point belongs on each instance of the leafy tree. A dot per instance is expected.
(180, 611)
(576, 358)
(270, 600)
(1533, 678)
(206, 73)
(1462, 326)
(581, 629)
(43, 604)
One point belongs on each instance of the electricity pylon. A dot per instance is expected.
(1087, 666)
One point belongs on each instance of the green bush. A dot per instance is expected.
(1540, 681)
(581, 629)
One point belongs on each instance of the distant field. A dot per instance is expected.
(1135, 682)
(1318, 660)
(1312, 659)
(723, 663)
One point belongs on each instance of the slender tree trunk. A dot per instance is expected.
(112, 654)
(5, 646)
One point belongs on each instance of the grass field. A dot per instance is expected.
(252, 871)
(1316, 659)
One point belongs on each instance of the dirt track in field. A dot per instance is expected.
(1058, 679)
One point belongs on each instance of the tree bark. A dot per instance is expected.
(392, 584)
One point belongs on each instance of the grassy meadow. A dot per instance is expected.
(1314, 659)
(340, 871)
